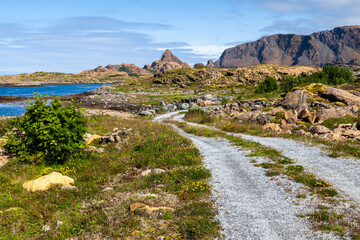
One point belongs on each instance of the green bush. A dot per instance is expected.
(48, 131)
(268, 85)
(330, 75)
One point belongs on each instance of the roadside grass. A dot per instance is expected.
(278, 164)
(108, 183)
(335, 148)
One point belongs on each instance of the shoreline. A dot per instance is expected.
(36, 84)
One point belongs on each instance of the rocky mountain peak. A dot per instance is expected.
(168, 57)
(168, 61)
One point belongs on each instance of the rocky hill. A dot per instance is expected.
(168, 61)
(338, 46)
(121, 69)
(207, 76)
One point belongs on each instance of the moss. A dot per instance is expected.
(340, 104)
(312, 87)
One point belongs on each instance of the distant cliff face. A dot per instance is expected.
(168, 61)
(338, 46)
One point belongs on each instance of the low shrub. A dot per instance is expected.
(268, 85)
(48, 131)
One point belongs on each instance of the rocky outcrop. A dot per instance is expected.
(338, 46)
(124, 69)
(339, 95)
(210, 64)
(168, 61)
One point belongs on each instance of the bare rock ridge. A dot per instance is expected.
(167, 61)
(116, 69)
(338, 46)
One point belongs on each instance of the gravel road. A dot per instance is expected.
(251, 206)
(342, 173)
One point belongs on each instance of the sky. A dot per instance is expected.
(75, 35)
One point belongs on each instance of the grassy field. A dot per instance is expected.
(108, 183)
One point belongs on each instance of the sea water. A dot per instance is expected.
(18, 108)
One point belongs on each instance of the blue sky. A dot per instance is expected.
(74, 35)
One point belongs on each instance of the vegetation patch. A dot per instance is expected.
(108, 183)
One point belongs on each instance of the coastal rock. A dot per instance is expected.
(47, 182)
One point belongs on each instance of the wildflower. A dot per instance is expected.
(46, 228)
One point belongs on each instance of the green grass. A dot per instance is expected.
(88, 212)
(333, 123)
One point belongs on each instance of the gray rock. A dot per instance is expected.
(319, 129)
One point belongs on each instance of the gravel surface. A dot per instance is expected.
(251, 205)
(342, 173)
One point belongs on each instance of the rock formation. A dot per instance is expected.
(210, 64)
(130, 69)
(167, 61)
(338, 46)
(197, 65)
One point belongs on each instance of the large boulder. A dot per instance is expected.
(323, 113)
(296, 100)
(263, 118)
(291, 116)
(47, 182)
(339, 95)
(319, 129)
(307, 115)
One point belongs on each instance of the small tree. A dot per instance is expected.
(268, 85)
(48, 132)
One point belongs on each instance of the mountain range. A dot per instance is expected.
(339, 46)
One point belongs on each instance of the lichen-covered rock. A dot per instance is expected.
(47, 182)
